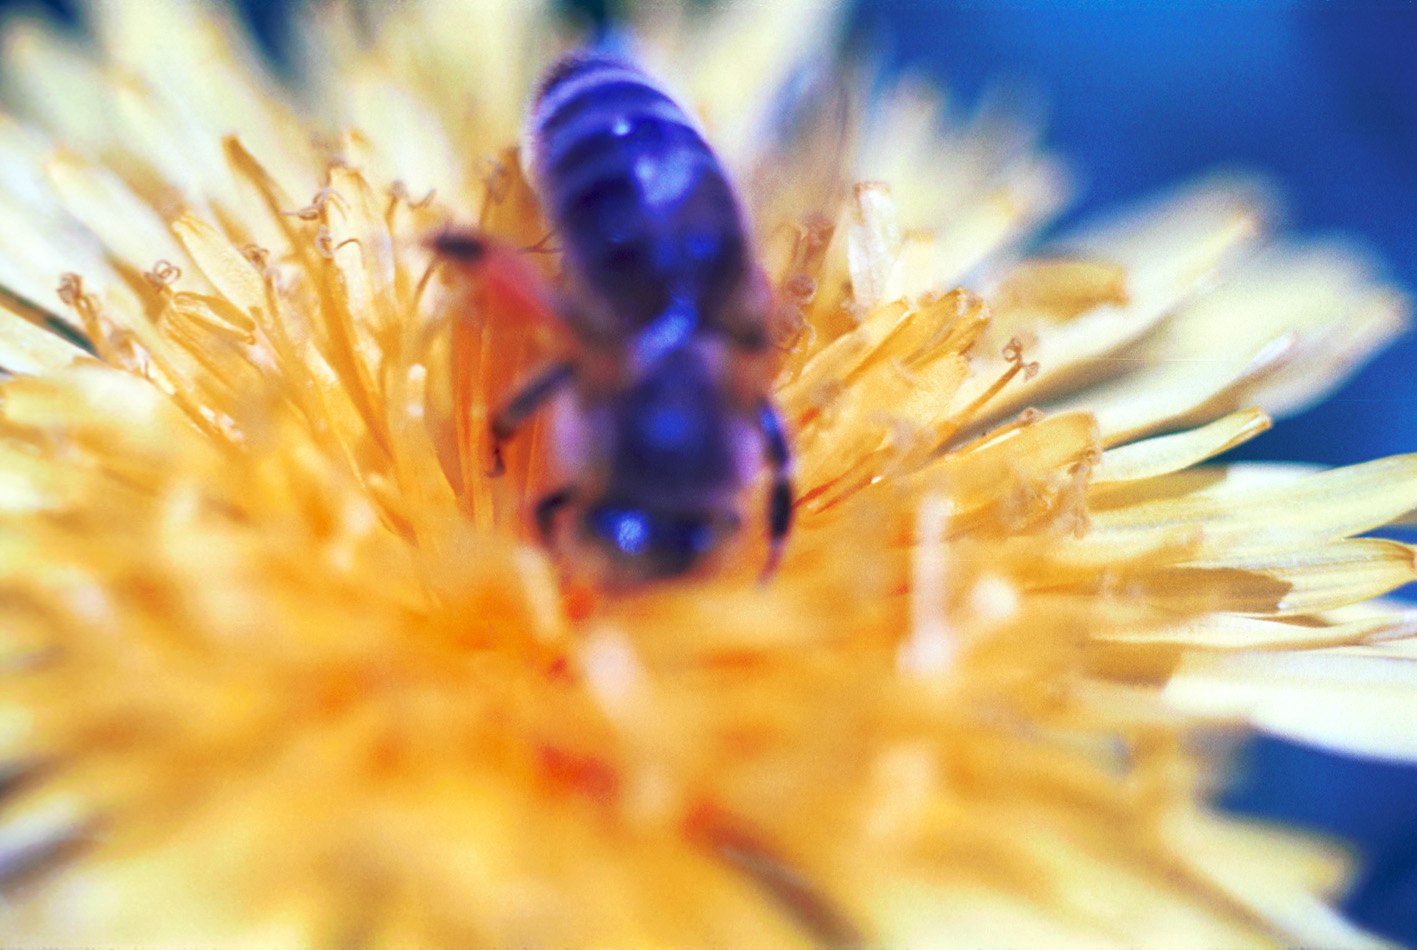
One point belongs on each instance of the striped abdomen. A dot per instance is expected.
(644, 213)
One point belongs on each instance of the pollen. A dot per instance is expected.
(283, 664)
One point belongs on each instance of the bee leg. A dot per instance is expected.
(531, 397)
(546, 510)
(780, 495)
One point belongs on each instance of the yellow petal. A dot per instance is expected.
(1250, 516)
(1170, 453)
(1350, 704)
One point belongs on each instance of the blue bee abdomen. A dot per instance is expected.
(672, 443)
(642, 206)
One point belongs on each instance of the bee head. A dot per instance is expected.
(636, 544)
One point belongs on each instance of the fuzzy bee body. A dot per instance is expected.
(649, 225)
(664, 410)
(664, 460)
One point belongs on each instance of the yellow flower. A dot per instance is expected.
(281, 666)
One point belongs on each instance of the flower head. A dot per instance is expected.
(281, 663)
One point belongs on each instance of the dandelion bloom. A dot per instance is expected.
(283, 666)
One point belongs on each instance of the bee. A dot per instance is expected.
(664, 407)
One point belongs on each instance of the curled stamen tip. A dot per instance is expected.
(398, 191)
(259, 256)
(163, 274)
(316, 207)
(71, 288)
(325, 243)
(966, 300)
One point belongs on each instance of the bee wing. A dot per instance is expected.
(805, 160)
(808, 143)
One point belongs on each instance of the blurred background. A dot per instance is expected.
(1319, 94)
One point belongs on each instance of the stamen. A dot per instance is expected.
(498, 183)
(164, 274)
(542, 245)
(930, 648)
(422, 284)
(315, 208)
(1025, 418)
(1072, 505)
(1022, 503)
(72, 293)
(71, 288)
(398, 194)
(324, 243)
(1013, 353)
(259, 257)
(800, 289)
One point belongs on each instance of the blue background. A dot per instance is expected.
(1320, 94)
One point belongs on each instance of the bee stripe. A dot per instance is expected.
(575, 67)
(584, 78)
(633, 189)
